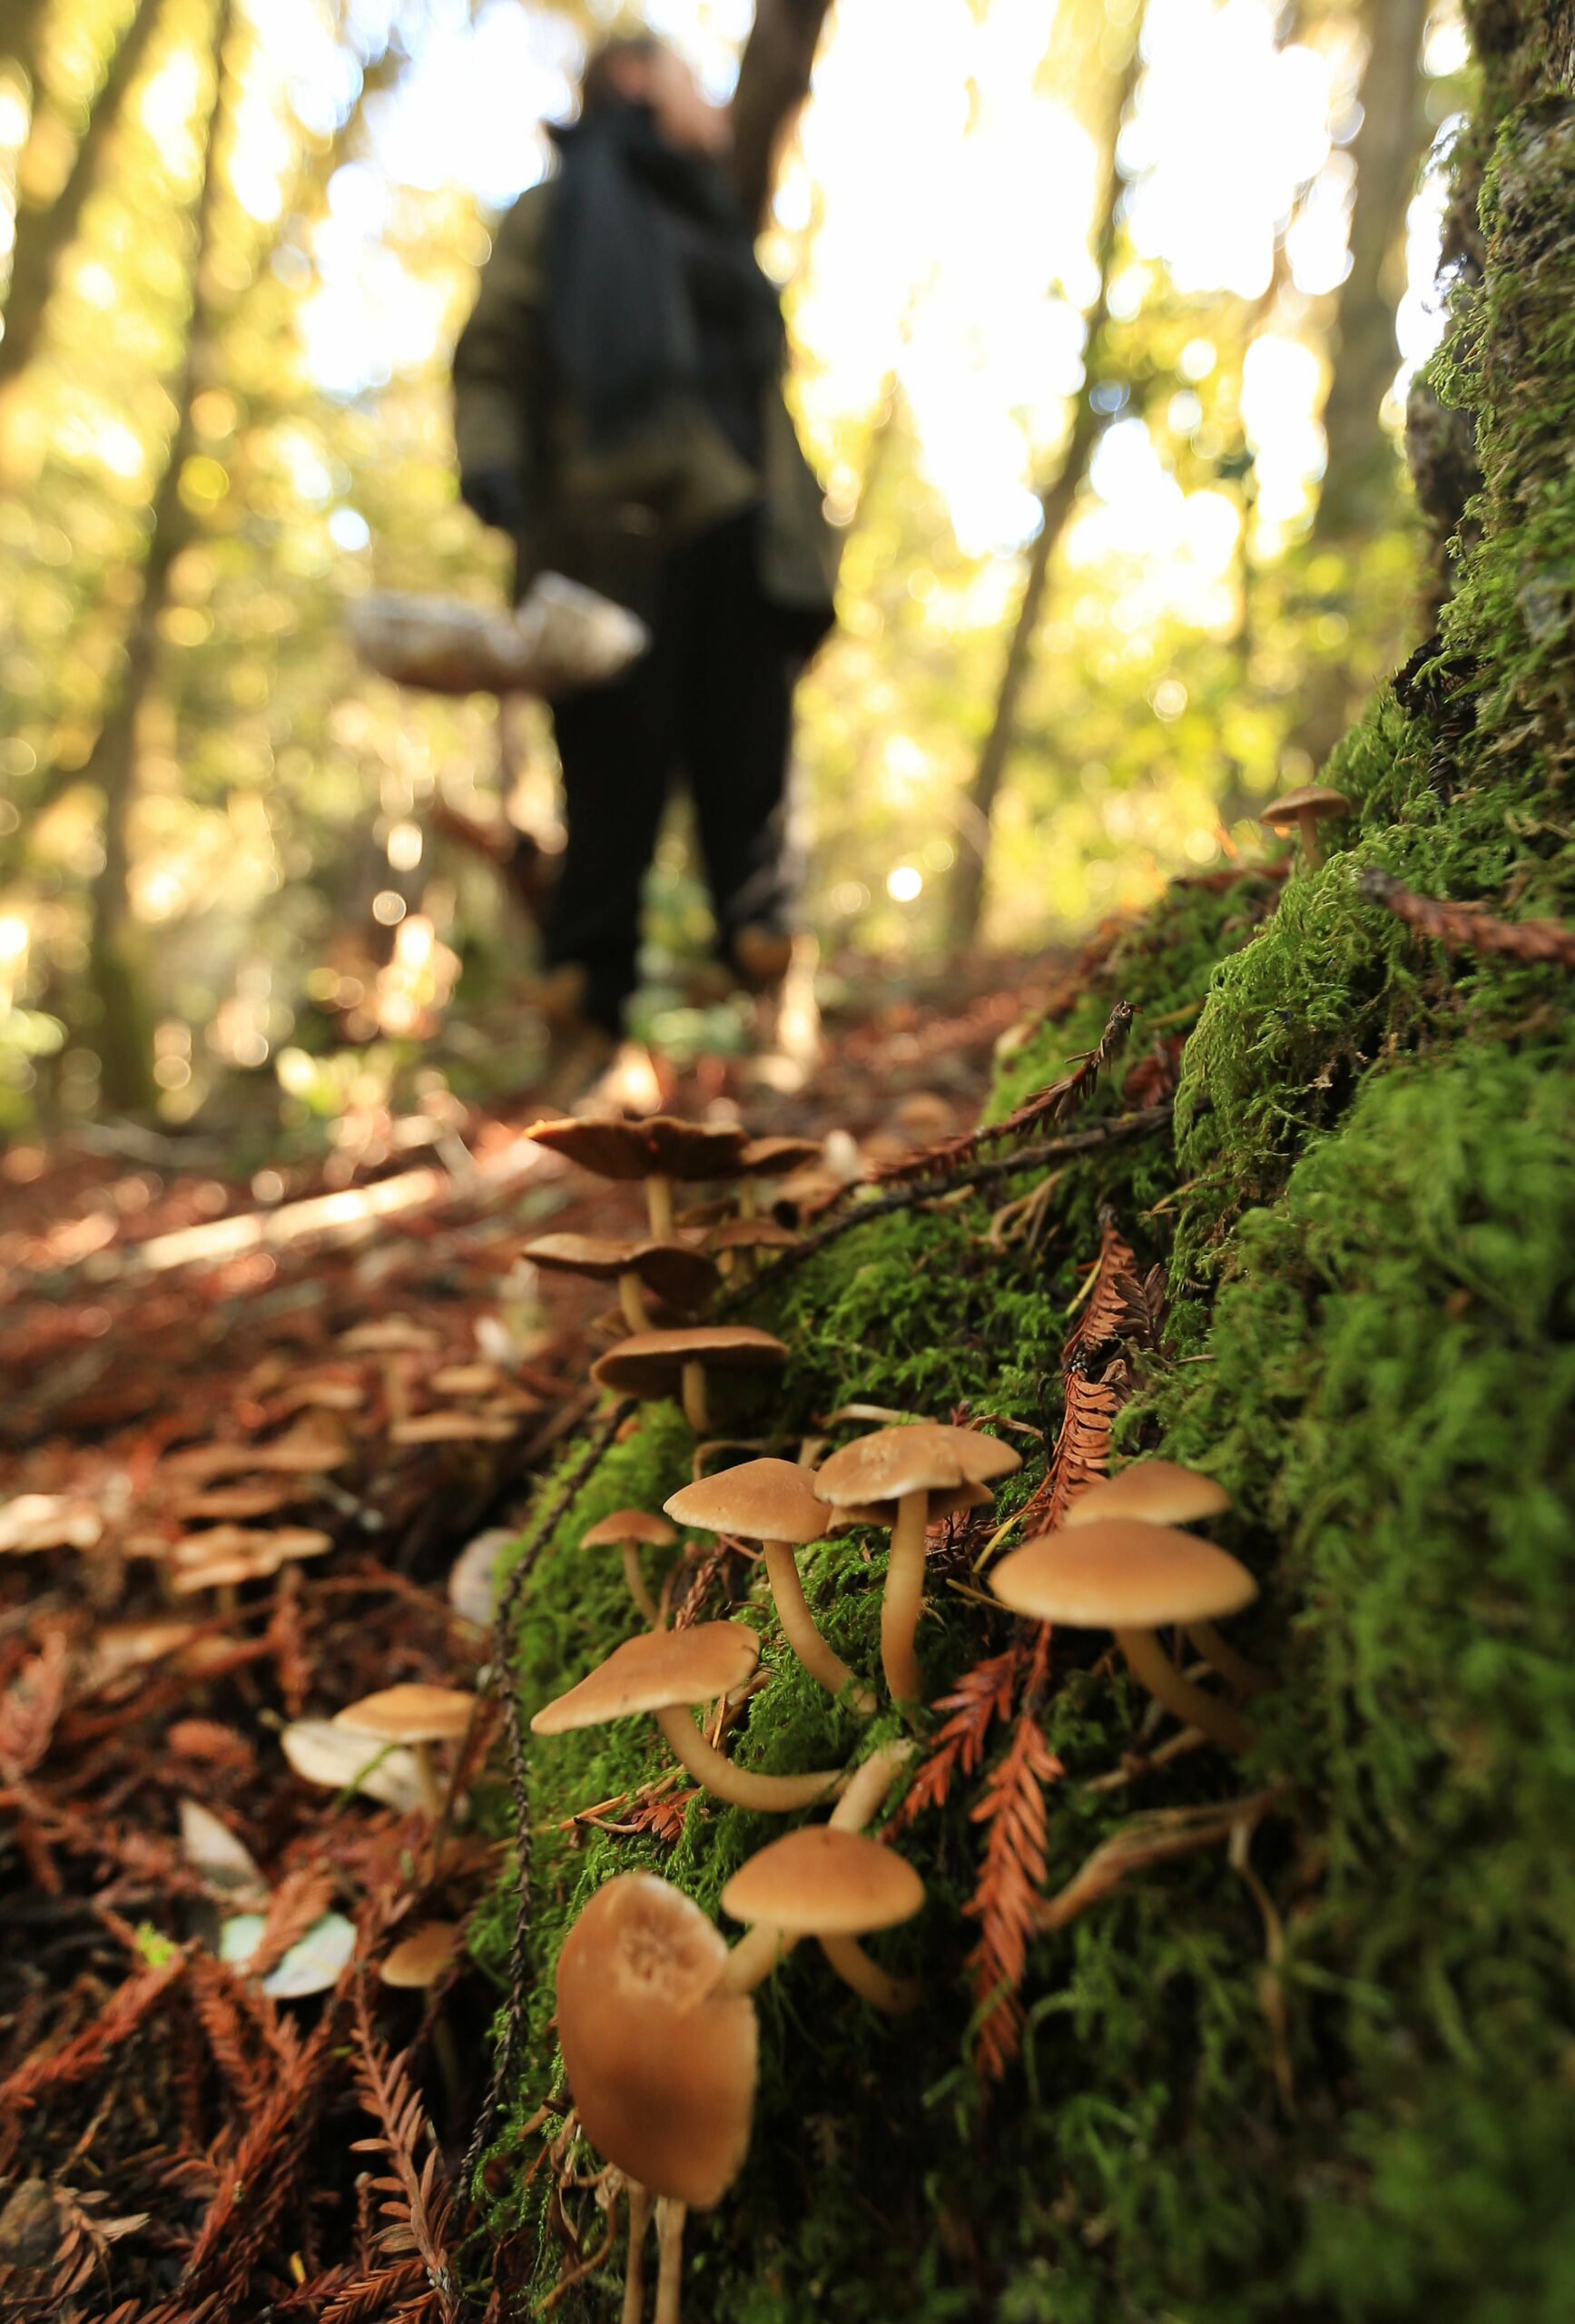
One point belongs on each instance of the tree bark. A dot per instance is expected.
(1361, 464)
(1058, 499)
(45, 232)
(774, 80)
(121, 1032)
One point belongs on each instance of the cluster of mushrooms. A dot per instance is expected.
(655, 2016)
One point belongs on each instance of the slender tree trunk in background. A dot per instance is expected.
(774, 80)
(1388, 147)
(1362, 466)
(121, 1033)
(1058, 499)
(21, 39)
(45, 231)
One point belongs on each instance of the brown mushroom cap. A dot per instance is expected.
(421, 1960)
(627, 1525)
(922, 1455)
(1161, 1493)
(651, 1363)
(823, 1882)
(1308, 799)
(660, 1146)
(764, 1500)
(1119, 1573)
(946, 1503)
(659, 1670)
(662, 2067)
(772, 1157)
(673, 1270)
(751, 1235)
(411, 1713)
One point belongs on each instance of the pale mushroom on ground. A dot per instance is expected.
(905, 1466)
(624, 1530)
(677, 1272)
(835, 1886)
(662, 2062)
(670, 1673)
(420, 1959)
(417, 1715)
(1162, 1492)
(774, 1502)
(654, 1151)
(1304, 809)
(1122, 1575)
(651, 1365)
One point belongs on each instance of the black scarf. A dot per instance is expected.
(649, 259)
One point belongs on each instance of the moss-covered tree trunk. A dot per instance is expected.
(1298, 2047)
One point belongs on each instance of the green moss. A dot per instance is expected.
(1368, 1214)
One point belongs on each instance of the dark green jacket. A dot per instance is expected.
(608, 517)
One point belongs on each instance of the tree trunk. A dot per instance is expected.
(45, 231)
(22, 43)
(1361, 463)
(1058, 499)
(122, 1031)
(774, 80)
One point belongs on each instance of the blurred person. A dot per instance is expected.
(619, 412)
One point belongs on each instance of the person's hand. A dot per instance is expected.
(495, 495)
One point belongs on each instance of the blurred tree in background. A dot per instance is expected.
(1074, 308)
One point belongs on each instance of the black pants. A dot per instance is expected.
(711, 702)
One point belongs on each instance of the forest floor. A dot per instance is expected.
(349, 1374)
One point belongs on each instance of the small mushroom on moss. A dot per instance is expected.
(662, 2061)
(677, 1272)
(1305, 809)
(624, 1530)
(774, 1502)
(651, 1365)
(905, 1465)
(655, 1151)
(765, 1160)
(1162, 1492)
(1121, 1575)
(835, 1886)
(418, 1715)
(736, 1241)
(670, 1673)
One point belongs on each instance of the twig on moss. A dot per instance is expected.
(1467, 927)
(1053, 1104)
(1120, 1127)
(418, 2202)
(1005, 1902)
(981, 1696)
(500, 1677)
(1153, 1839)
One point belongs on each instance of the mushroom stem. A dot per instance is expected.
(427, 1781)
(753, 1957)
(696, 1411)
(904, 1596)
(670, 2217)
(803, 1635)
(634, 2265)
(659, 1206)
(868, 1785)
(632, 1300)
(776, 1794)
(638, 1590)
(1240, 1676)
(848, 1957)
(748, 1199)
(1152, 1668)
(1312, 853)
